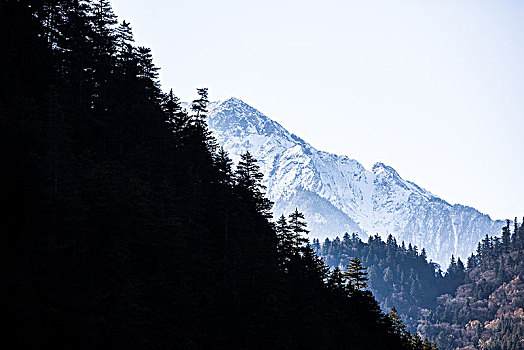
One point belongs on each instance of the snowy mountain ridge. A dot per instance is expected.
(337, 194)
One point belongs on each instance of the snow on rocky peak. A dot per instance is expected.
(337, 194)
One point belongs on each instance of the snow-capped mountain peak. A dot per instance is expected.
(337, 194)
(381, 167)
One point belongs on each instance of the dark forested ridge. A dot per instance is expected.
(477, 305)
(124, 224)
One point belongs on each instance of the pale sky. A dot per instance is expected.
(434, 89)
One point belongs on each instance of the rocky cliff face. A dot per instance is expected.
(337, 194)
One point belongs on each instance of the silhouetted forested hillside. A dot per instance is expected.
(124, 225)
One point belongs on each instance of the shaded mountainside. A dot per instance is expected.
(126, 227)
(366, 202)
(474, 306)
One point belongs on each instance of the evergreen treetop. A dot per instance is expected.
(356, 274)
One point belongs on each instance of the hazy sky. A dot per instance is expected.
(434, 89)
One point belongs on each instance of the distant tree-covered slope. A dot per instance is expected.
(399, 276)
(125, 226)
(486, 311)
(477, 306)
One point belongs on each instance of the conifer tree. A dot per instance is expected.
(515, 225)
(171, 105)
(285, 241)
(148, 73)
(102, 21)
(249, 179)
(423, 254)
(398, 327)
(416, 342)
(124, 40)
(199, 106)
(176, 116)
(336, 280)
(198, 120)
(471, 261)
(298, 228)
(356, 274)
(224, 166)
(317, 270)
(506, 237)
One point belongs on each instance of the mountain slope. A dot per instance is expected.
(339, 195)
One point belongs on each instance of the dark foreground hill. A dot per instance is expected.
(123, 224)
